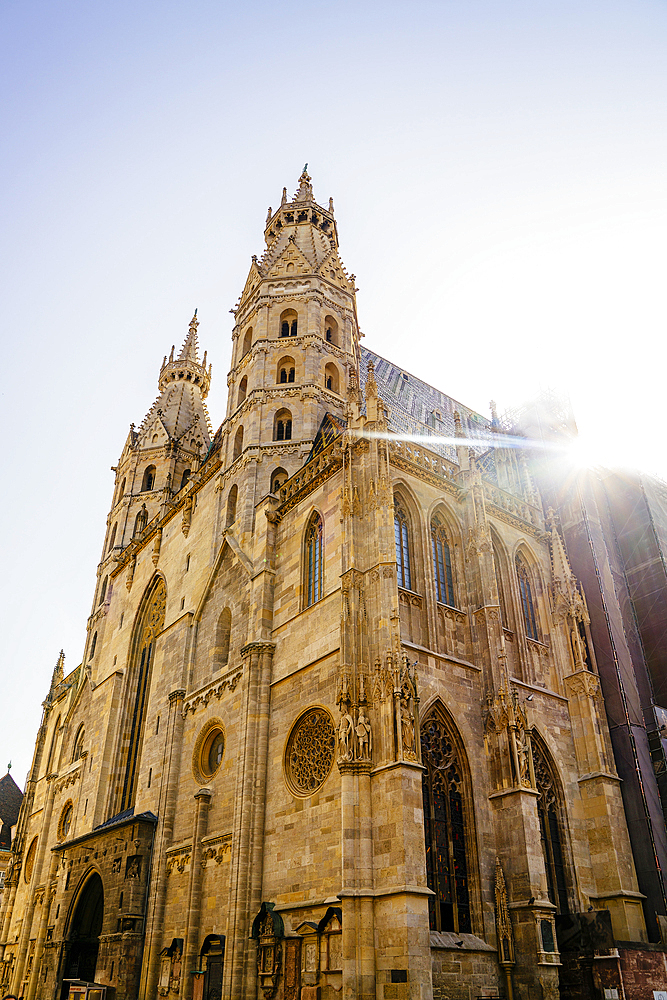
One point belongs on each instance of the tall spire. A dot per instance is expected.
(189, 350)
(187, 365)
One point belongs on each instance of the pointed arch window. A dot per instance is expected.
(550, 827)
(103, 590)
(527, 602)
(238, 444)
(401, 532)
(243, 390)
(112, 539)
(447, 853)
(282, 430)
(149, 627)
(148, 481)
(442, 563)
(185, 477)
(222, 636)
(231, 505)
(314, 560)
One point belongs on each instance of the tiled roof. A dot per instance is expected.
(11, 797)
(415, 407)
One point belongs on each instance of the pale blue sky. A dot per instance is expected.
(498, 174)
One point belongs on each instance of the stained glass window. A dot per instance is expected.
(527, 603)
(442, 564)
(445, 828)
(402, 547)
(314, 560)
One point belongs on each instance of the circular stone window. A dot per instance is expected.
(209, 751)
(30, 861)
(310, 751)
(65, 820)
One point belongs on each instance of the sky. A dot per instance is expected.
(497, 170)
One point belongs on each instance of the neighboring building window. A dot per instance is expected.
(550, 827)
(527, 603)
(314, 560)
(148, 482)
(445, 826)
(442, 564)
(402, 546)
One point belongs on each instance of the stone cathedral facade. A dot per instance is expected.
(338, 728)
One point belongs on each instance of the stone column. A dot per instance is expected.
(247, 844)
(191, 961)
(151, 963)
(357, 881)
(36, 879)
(47, 899)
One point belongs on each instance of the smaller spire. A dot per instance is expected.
(9, 767)
(371, 384)
(189, 348)
(495, 422)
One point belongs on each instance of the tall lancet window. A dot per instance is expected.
(548, 811)
(445, 826)
(442, 563)
(527, 603)
(149, 627)
(314, 560)
(401, 531)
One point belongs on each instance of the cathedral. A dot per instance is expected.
(340, 725)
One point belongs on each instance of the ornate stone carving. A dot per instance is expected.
(310, 751)
(503, 921)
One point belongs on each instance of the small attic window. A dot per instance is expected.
(405, 377)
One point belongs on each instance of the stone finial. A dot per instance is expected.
(371, 384)
(305, 192)
(331, 206)
(458, 429)
(59, 669)
(268, 216)
(283, 200)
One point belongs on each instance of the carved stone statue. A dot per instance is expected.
(364, 736)
(407, 728)
(345, 730)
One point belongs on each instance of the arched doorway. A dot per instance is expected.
(212, 958)
(82, 944)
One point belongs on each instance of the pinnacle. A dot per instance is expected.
(190, 345)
